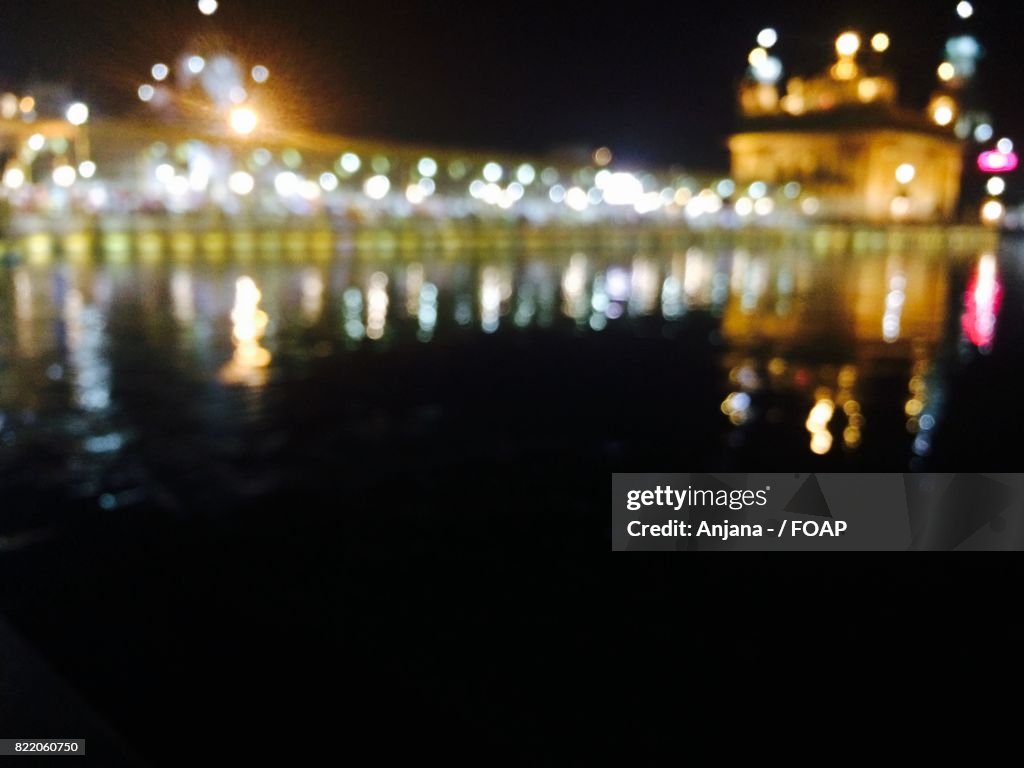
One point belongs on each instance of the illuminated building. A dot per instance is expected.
(843, 136)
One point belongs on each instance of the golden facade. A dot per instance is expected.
(855, 152)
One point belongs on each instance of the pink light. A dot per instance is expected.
(994, 161)
(981, 303)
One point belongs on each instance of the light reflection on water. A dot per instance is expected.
(838, 353)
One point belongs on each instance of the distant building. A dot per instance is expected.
(844, 138)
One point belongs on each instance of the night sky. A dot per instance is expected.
(652, 80)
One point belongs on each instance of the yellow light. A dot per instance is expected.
(992, 211)
(899, 207)
(793, 104)
(867, 89)
(905, 173)
(602, 156)
(946, 71)
(880, 42)
(821, 443)
(243, 121)
(942, 115)
(249, 324)
(847, 44)
(844, 69)
(757, 57)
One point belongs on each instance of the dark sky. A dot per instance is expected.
(652, 80)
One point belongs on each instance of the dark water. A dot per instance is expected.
(122, 385)
(186, 464)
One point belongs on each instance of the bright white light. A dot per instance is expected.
(493, 172)
(725, 187)
(64, 176)
(196, 64)
(147, 92)
(309, 190)
(983, 133)
(241, 183)
(491, 194)
(992, 211)
(964, 10)
(178, 186)
(14, 178)
(848, 43)
(757, 190)
(880, 42)
(377, 187)
(525, 174)
(160, 72)
(946, 71)
(328, 181)
(208, 7)
(414, 194)
(576, 199)
(764, 206)
(87, 169)
(622, 189)
(286, 184)
(1005, 146)
(744, 206)
(650, 202)
(36, 142)
(943, 115)
(995, 186)
(164, 173)
(767, 37)
(427, 166)
(768, 71)
(350, 163)
(77, 113)
(260, 74)
(243, 121)
(905, 173)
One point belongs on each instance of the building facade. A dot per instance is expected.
(844, 138)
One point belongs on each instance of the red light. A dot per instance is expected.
(994, 161)
(982, 299)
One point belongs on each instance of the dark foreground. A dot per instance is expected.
(394, 540)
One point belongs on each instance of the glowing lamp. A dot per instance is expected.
(994, 161)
